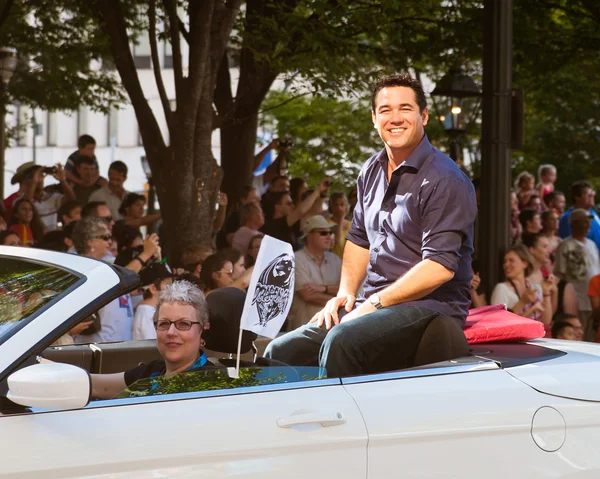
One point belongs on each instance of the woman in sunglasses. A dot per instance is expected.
(180, 319)
(91, 238)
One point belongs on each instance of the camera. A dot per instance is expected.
(49, 170)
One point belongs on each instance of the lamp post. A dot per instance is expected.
(8, 62)
(456, 99)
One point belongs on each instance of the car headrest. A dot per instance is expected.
(225, 306)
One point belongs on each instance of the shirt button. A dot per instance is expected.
(375, 250)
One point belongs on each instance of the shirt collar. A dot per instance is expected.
(415, 160)
(313, 257)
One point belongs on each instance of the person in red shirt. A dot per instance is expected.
(26, 222)
(25, 177)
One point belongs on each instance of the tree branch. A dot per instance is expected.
(171, 9)
(223, 98)
(156, 65)
(295, 97)
(5, 11)
(111, 15)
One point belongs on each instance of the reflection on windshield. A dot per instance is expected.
(195, 381)
(26, 287)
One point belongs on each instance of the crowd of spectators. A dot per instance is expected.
(88, 214)
(552, 269)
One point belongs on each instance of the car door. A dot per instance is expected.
(469, 419)
(298, 430)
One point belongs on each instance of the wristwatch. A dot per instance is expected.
(374, 300)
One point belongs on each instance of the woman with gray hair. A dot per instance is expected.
(180, 319)
(91, 238)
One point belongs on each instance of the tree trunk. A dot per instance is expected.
(186, 185)
(237, 155)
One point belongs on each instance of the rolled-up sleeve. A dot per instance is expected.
(358, 232)
(448, 216)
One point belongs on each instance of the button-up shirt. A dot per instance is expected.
(425, 211)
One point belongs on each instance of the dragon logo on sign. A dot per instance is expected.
(273, 288)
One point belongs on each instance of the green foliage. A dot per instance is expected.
(557, 64)
(331, 137)
(61, 50)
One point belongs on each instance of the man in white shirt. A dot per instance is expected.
(317, 272)
(578, 261)
(154, 278)
(113, 192)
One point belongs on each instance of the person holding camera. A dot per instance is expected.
(283, 216)
(30, 177)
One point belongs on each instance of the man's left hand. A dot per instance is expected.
(365, 308)
(59, 173)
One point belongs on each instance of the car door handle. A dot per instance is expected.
(325, 419)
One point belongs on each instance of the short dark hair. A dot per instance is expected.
(399, 80)
(231, 254)
(334, 197)
(85, 160)
(54, 241)
(85, 140)
(129, 200)
(91, 208)
(550, 197)
(119, 167)
(527, 215)
(578, 188)
(246, 191)
(65, 210)
(5, 234)
(68, 230)
(559, 326)
(530, 239)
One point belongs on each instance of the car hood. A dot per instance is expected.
(571, 376)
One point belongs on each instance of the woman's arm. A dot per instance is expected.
(107, 386)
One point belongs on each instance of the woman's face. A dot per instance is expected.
(136, 210)
(514, 267)
(239, 268)
(25, 212)
(254, 247)
(550, 223)
(12, 240)
(178, 348)
(541, 250)
(99, 245)
(224, 277)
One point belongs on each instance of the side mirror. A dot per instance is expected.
(50, 385)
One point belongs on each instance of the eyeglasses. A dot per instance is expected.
(108, 219)
(180, 325)
(106, 237)
(323, 233)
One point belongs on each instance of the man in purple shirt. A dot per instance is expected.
(409, 247)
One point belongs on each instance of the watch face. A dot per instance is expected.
(375, 300)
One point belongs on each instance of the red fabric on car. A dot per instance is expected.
(494, 323)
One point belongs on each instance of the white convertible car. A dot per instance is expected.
(522, 410)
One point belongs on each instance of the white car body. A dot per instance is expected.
(521, 411)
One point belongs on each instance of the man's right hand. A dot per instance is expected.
(329, 314)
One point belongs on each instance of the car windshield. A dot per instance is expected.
(195, 381)
(26, 287)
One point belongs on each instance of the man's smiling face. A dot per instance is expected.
(398, 119)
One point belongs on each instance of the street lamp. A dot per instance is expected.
(8, 63)
(457, 105)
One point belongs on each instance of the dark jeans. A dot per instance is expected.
(384, 340)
